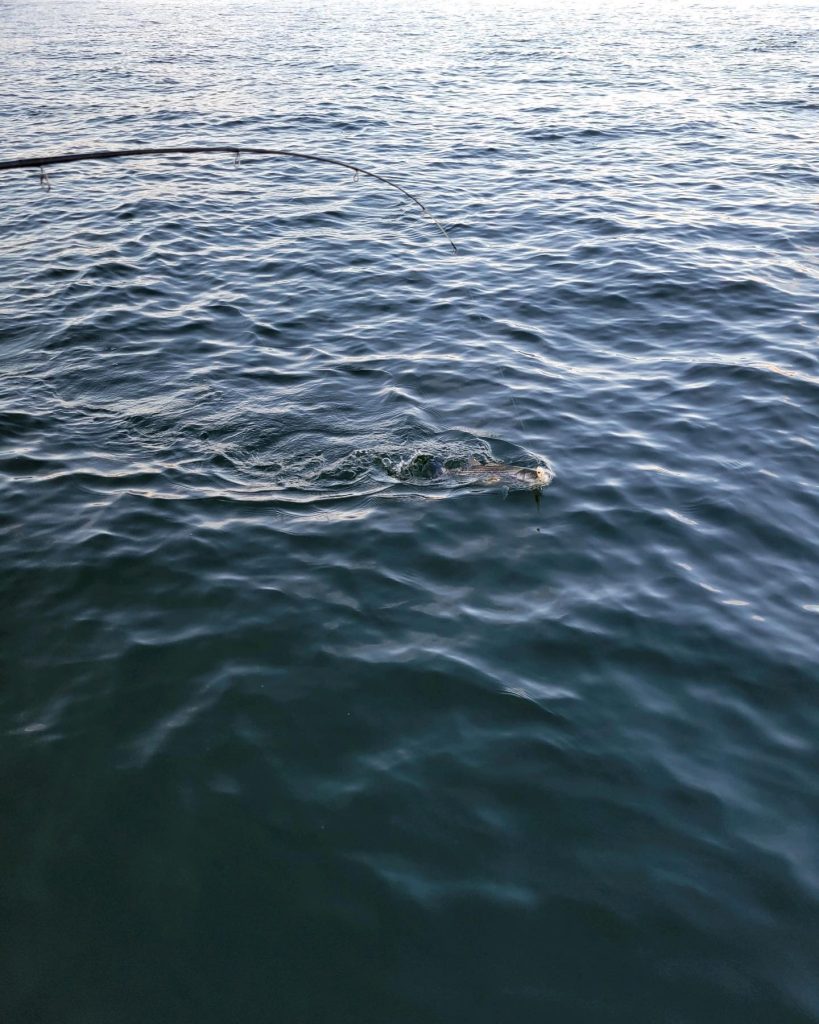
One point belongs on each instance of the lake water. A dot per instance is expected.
(294, 732)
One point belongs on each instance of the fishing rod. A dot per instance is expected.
(41, 162)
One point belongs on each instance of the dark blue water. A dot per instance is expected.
(293, 733)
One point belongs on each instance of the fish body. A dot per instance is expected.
(492, 474)
(503, 473)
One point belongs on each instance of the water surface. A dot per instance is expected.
(290, 734)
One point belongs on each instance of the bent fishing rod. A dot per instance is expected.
(41, 162)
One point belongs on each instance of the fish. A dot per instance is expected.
(473, 471)
(504, 475)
